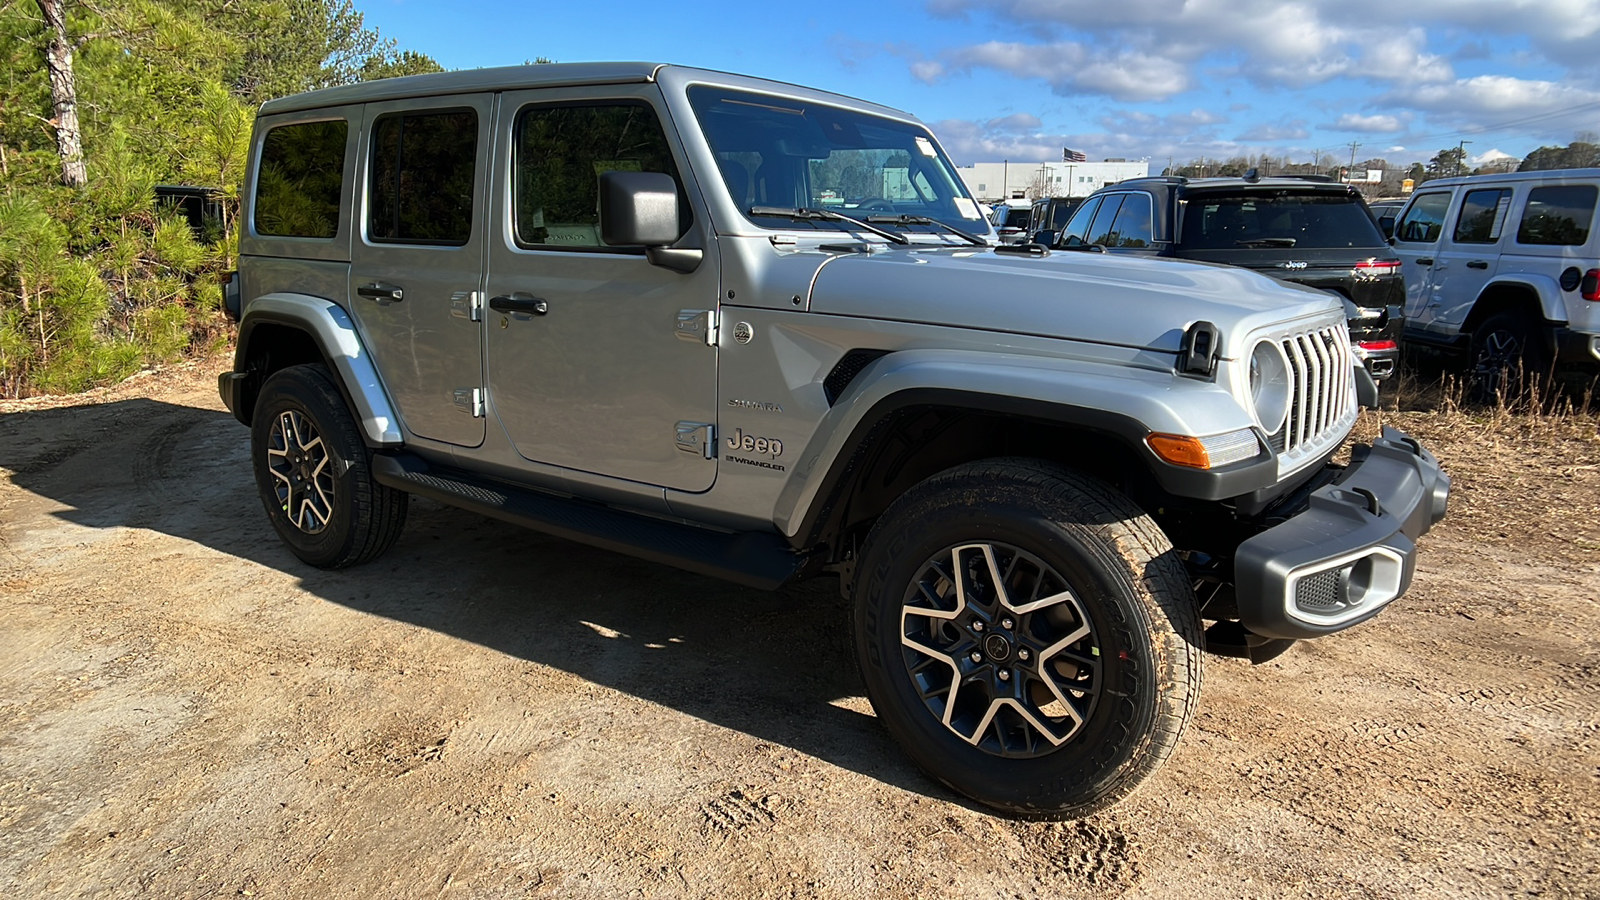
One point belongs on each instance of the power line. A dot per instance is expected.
(1512, 123)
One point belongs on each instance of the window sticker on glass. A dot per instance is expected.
(926, 146)
(1500, 215)
(967, 208)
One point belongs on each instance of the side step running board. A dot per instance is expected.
(750, 558)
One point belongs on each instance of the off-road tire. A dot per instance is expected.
(366, 517)
(1506, 358)
(1130, 586)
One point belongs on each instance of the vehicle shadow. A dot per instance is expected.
(768, 664)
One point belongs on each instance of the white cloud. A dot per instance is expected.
(1071, 68)
(1380, 124)
(1014, 123)
(1489, 156)
(1291, 131)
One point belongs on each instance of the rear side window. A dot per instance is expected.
(1424, 220)
(560, 154)
(1558, 214)
(1282, 219)
(300, 180)
(1483, 213)
(1132, 228)
(421, 181)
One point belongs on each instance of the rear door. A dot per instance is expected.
(1467, 258)
(416, 265)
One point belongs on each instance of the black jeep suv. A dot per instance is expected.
(1307, 230)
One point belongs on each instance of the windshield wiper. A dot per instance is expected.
(807, 212)
(1268, 242)
(924, 220)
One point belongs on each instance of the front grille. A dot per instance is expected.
(1321, 593)
(1322, 394)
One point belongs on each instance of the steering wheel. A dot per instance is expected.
(876, 203)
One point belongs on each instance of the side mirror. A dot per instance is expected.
(638, 209)
(1047, 238)
(641, 209)
(1387, 224)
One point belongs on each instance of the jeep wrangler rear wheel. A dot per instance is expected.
(1028, 636)
(1507, 358)
(314, 475)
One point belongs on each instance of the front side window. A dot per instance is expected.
(1077, 231)
(790, 154)
(1558, 214)
(1133, 226)
(1424, 219)
(420, 187)
(560, 154)
(1101, 232)
(300, 179)
(1482, 215)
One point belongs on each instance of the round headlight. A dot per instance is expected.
(1269, 385)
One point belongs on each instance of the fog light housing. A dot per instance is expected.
(1336, 591)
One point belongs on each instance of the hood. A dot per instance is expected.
(1124, 300)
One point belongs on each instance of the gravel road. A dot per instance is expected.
(188, 711)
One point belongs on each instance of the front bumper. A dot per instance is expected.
(1349, 551)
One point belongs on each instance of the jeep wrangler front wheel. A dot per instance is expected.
(1028, 636)
(312, 470)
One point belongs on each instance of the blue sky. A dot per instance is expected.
(1020, 79)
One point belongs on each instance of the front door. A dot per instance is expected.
(598, 379)
(1416, 243)
(416, 267)
(1468, 256)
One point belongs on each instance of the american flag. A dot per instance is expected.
(1070, 155)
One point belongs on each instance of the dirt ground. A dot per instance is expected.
(187, 711)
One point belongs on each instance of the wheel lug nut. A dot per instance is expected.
(977, 626)
(1023, 654)
(1005, 674)
(1007, 624)
(976, 657)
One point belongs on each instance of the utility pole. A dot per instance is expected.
(1316, 160)
(1351, 172)
(1461, 157)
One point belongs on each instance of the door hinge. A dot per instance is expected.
(697, 326)
(467, 305)
(470, 401)
(697, 437)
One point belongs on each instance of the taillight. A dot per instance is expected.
(1372, 268)
(1590, 285)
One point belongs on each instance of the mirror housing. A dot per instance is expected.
(1047, 238)
(638, 209)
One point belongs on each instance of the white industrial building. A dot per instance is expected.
(995, 182)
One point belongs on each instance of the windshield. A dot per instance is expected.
(1279, 219)
(794, 154)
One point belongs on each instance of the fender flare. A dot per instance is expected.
(1125, 403)
(334, 333)
(1546, 289)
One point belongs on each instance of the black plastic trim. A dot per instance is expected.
(754, 559)
(1210, 485)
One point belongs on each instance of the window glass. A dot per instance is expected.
(1482, 215)
(1559, 214)
(1424, 219)
(1133, 225)
(561, 152)
(1073, 234)
(420, 184)
(789, 153)
(301, 178)
(1100, 231)
(1253, 220)
(1017, 217)
(1060, 211)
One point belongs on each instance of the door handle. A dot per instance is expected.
(1478, 264)
(380, 291)
(519, 302)
(1424, 260)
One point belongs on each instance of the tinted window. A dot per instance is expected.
(562, 151)
(1016, 218)
(301, 177)
(420, 186)
(1074, 234)
(1133, 225)
(1100, 231)
(1559, 214)
(1482, 215)
(1283, 218)
(1424, 220)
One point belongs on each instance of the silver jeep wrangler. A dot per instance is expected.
(763, 333)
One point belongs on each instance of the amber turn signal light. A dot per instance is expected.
(1180, 450)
